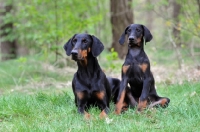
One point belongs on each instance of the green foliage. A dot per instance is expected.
(162, 28)
(48, 22)
(111, 57)
(190, 20)
(45, 25)
(22, 61)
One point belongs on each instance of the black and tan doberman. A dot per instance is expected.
(90, 85)
(136, 72)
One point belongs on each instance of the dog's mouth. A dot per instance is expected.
(133, 44)
(75, 57)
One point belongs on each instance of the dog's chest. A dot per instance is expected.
(90, 84)
(136, 74)
(136, 59)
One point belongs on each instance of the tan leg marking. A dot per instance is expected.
(103, 114)
(86, 115)
(80, 95)
(163, 102)
(100, 95)
(119, 104)
(142, 105)
(125, 106)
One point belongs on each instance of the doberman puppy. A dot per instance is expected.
(136, 72)
(90, 85)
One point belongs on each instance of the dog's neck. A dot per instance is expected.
(133, 54)
(134, 51)
(88, 67)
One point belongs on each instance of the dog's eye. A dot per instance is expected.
(129, 30)
(74, 40)
(85, 41)
(138, 30)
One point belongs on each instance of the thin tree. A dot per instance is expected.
(8, 47)
(176, 31)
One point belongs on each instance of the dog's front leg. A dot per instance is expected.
(121, 96)
(102, 102)
(144, 95)
(104, 113)
(131, 99)
(81, 102)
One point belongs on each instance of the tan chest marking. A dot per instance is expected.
(125, 69)
(143, 67)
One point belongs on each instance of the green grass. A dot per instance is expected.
(33, 98)
(30, 74)
(57, 112)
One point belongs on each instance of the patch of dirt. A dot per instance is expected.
(161, 75)
(64, 70)
(171, 76)
(48, 85)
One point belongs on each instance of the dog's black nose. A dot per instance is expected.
(131, 38)
(74, 52)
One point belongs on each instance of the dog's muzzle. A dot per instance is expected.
(132, 41)
(74, 54)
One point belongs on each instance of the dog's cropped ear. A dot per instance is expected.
(68, 46)
(97, 46)
(122, 38)
(147, 34)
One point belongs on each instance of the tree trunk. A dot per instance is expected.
(8, 48)
(121, 17)
(176, 32)
(198, 3)
(149, 17)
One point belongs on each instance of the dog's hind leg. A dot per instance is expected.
(161, 102)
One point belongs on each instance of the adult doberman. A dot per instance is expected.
(90, 85)
(136, 72)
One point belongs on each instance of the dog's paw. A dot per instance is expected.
(87, 116)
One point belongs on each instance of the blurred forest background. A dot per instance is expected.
(42, 27)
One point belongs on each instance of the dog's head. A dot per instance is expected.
(137, 34)
(80, 45)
